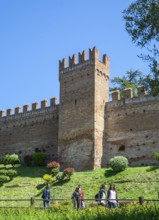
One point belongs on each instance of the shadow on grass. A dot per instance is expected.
(40, 186)
(61, 183)
(13, 186)
(110, 173)
(31, 171)
(152, 168)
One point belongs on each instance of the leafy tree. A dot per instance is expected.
(151, 81)
(142, 21)
(132, 79)
(142, 24)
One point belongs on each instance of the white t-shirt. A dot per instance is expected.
(112, 196)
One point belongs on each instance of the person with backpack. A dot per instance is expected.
(76, 198)
(101, 196)
(46, 196)
(112, 197)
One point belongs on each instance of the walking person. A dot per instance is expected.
(112, 197)
(46, 196)
(76, 198)
(82, 203)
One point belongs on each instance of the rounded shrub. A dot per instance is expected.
(28, 160)
(156, 156)
(68, 172)
(55, 171)
(14, 159)
(60, 176)
(11, 173)
(39, 158)
(118, 163)
(48, 178)
(3, 172)
(4, 179)
(53, 165)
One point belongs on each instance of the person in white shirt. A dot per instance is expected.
(112, 197)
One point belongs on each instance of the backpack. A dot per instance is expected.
(96, 197)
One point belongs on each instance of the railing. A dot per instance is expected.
(38, 203)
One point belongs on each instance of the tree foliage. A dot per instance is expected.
(142, 24)
(151, 80)
(132, 79)
(142, 21)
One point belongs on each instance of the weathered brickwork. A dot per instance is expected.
(29, 131)
(83, 93)
(132, 128)
(86, 129)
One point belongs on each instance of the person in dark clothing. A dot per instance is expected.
(76, 198)
(102, 195)
(46, 196)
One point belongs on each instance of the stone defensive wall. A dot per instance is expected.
(27, 131)
(132, 127)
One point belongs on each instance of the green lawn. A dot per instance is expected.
(131, 183)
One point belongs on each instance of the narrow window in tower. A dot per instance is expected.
(75, 101)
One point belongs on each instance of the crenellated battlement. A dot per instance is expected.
(128, 93)
(128, 97)
(82, 60)
(30, 109)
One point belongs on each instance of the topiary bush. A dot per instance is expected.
(28, 160)
(53, 164)
(11, 173)
(3, 172)
(4, 179)
(48, 178)
(39, 158)
(54, 167)
(14, 159)
(118, 163)
(6, 159)
(156, 156)
(55, 171)
(68, 172)
(59, 176)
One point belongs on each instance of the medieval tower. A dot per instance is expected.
(84, 89)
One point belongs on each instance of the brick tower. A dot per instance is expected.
(84, 90)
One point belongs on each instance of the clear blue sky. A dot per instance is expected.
(36, 34)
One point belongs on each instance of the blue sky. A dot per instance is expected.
(36, 34)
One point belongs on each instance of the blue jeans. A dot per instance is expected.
(112, 205)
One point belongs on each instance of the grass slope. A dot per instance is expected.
(131, 183)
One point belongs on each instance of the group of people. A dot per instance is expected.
(102, 197)
(78, 196)
(110, 196)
